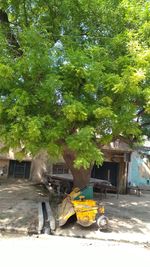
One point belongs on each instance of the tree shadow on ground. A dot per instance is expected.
(129, 213)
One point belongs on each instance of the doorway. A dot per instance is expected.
(19, 169)
(108, 171)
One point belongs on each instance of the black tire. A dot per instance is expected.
(65, 188)
(102, 222)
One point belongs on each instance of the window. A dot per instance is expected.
(60, 168)
(19, 169)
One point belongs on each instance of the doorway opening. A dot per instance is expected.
(108, 171)
(19, 169)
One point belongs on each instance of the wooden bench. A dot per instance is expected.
(105, 188)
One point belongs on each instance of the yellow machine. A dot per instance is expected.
(87, 210)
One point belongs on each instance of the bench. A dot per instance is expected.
(105, 188)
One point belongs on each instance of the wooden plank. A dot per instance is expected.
(40, 217)
(51, 218)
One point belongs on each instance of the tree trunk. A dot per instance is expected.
(81, 176)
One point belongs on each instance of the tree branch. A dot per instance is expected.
(145, 124)
(12, 41)
(140, 112)
(25, 13)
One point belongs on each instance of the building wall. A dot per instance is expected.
(41, 164)
(39, 167)
(4, 166)
(139, 172)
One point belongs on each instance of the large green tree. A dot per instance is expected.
(74, 75)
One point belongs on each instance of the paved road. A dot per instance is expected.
(65, 251)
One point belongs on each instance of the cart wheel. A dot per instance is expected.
(102, 222)
(65, 188)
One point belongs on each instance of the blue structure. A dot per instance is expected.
(139, 168)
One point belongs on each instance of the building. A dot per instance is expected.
(114, 168)
(139, 167)
(12, 168)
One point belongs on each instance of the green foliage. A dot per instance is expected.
(102, 113)
(83, 76)
(82, 143)
(75, 112)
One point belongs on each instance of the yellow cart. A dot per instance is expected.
(87, 210)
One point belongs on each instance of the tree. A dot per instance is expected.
(74, 76)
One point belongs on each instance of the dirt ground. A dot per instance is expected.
(129, 220)
(19, 205)
(129, 215)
